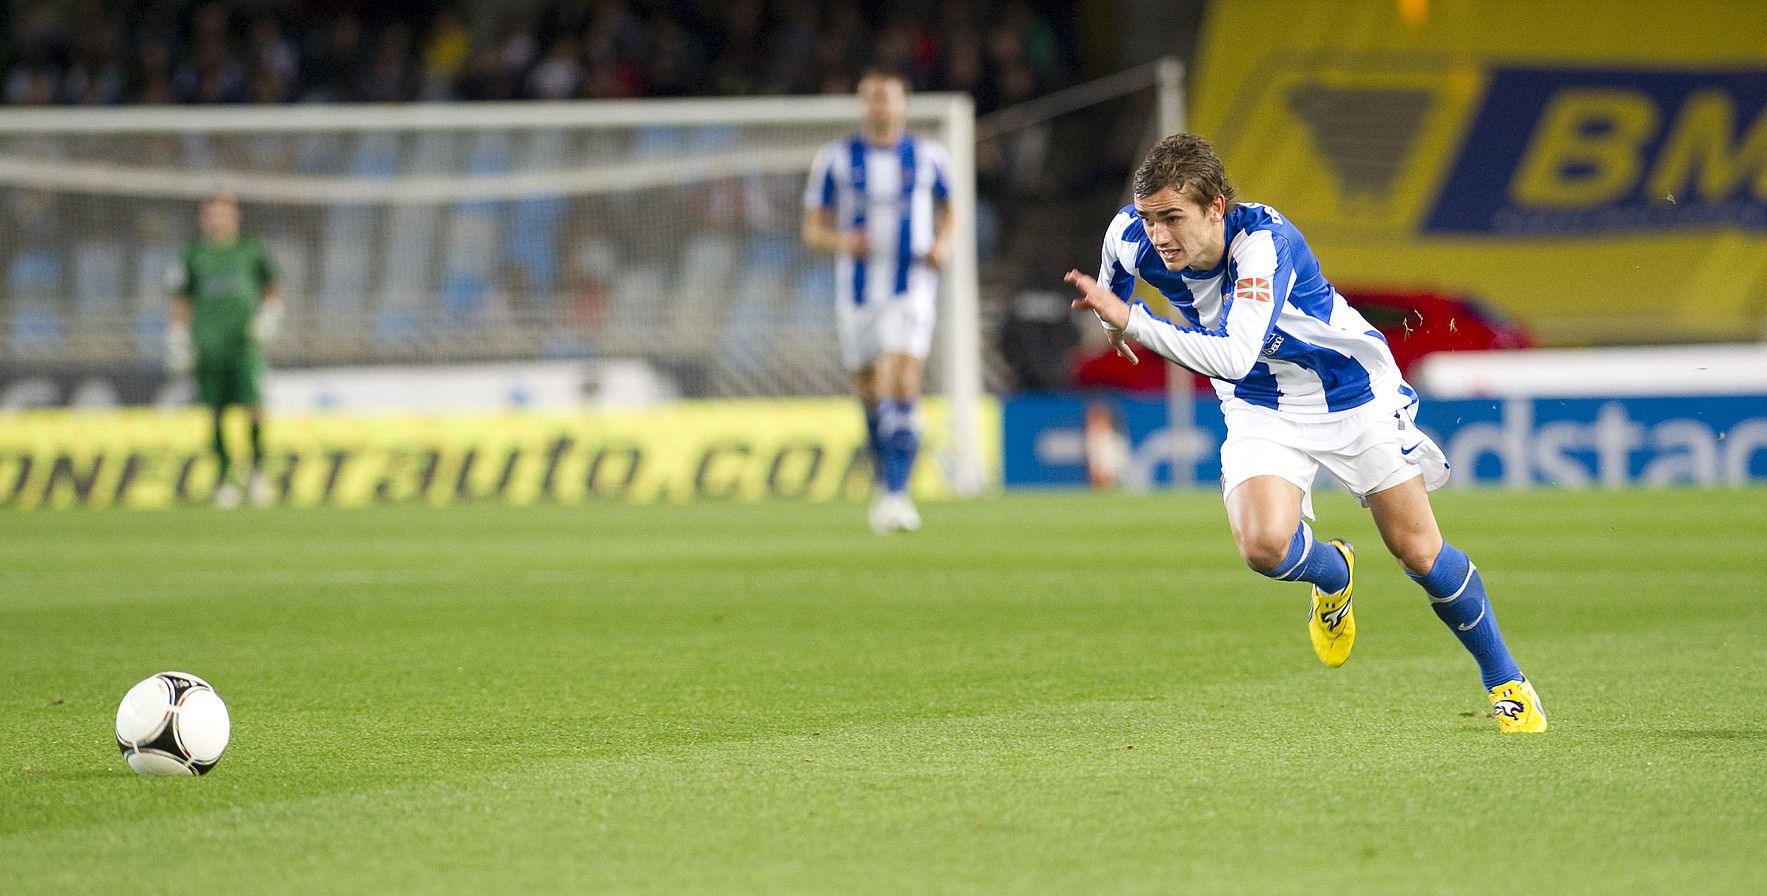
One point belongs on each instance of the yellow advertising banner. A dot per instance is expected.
(809, 449)
(1596, 168)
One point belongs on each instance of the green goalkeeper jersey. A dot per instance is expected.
(225, 284)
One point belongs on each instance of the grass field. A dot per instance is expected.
(1037, 694)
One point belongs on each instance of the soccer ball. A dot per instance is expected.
(172, 724)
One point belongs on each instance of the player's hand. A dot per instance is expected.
(180, 360)
(1101, 301)
(1121, 344)
(1110, 309)
(267, 323)
(855, 243)
(937, 256)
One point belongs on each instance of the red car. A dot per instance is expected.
(1422, 323)
(1415, 324)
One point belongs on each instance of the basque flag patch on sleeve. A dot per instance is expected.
(1253, 289)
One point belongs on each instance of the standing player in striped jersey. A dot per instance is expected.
(879, 201)
(1304, 382)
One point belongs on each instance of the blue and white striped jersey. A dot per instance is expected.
(1265, 324)
(891, 193)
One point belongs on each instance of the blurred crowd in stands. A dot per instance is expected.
(264, 51)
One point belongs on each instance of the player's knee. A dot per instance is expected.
(1418, 555)
(1263, 548)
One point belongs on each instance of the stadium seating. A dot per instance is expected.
(346, 267)
(99, 278)
(407, 277)
(35, 281)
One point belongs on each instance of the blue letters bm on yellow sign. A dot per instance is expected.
(1568, 151)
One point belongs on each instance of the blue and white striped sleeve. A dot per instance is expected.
(1112, 271)
(819, 192)
(941, 172)
(1229, 350)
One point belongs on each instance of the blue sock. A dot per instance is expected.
(1310, 560)
(901, 441)
(1457, 594)
(874, 438)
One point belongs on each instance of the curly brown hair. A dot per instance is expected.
(1181, 161)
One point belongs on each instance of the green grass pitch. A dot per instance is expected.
(1066, 693)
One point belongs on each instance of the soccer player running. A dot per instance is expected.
(879, 201)
(1304, 382)
(226, 306)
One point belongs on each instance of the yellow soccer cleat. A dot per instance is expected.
(1331, 624)
(1517, 708)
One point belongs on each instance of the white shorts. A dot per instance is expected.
(1369, 450)
(899, 324)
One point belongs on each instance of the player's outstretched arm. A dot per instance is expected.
(1225, 352)
(819, 232)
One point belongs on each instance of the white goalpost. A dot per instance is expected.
(653, 231)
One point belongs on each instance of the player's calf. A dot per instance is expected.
(1457, 594)
(899, 433)
(1329, 567)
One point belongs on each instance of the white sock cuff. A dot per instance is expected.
(1307, 544)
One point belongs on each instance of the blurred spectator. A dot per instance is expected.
(210, 74)
(794, 50)
(333, 60)
(486, 78)
(738, 68)
(676, 62)
(615, 42)
(446, 46)
(94, 76)
(272, 62)
(516, 46)
(40, 38)
(208, 70)
(1024, 151)
(963, 68)
(894, 50)
(32, 84)
(560, 72)
(1038, 41)
(389, 78)
(151, 80)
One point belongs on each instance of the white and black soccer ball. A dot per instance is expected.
(172, 724)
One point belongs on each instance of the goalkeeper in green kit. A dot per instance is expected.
(225, 307)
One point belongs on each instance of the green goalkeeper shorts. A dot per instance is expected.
(231, 378)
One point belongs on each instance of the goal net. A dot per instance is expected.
(663, 232)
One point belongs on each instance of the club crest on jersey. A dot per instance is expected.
(1252, 289)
